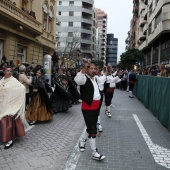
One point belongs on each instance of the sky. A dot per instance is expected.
(119, 16)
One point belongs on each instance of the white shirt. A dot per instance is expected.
(112, 80)
(81, 79)
(100, 81)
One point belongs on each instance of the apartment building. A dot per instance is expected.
(102, 26)
(112, 46)
(27, 30)
(132, 39)
(76, 28)
(153, 31)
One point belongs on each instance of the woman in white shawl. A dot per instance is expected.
(12, 109)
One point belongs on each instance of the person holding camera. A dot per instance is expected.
(26, 81)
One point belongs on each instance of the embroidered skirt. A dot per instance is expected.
(37, 110)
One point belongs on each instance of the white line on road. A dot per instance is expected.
(160, 154)
(74, 157)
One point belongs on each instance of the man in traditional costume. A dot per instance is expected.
(90, 96)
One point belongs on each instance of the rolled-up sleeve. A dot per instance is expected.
(80, 78)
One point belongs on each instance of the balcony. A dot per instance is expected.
(142, 36)
(143, 45)
(162, 27)
(145, 13)
(87, 20)
(85, 30)
(145, 28)
(16, 16)
(86, 40)
(89, 1)
(85, 49)
(87, 10)
(142, 22)
(142, 6)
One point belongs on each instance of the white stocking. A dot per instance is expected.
(98, 121)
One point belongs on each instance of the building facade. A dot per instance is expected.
(153, 31)
(102, 26)
(111, 52)
(27, 30)
(76, 29)
(132, 39)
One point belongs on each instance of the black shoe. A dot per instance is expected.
(131, 97)
(32, 123)
(8, 145)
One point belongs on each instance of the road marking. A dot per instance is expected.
(74, 157)
(160, 154)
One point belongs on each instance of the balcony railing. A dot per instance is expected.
(10, 10)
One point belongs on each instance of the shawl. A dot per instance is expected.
(12, 99)
(62, 81)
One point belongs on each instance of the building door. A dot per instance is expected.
(1, 50)
(21, 54)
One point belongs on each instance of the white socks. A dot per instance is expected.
(108, 108)
(92, 142)
(130, 94)
(98, 121)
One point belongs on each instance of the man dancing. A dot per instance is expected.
(90, 96)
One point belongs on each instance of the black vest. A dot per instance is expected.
(87, 91)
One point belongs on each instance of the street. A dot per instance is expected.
(128, 141)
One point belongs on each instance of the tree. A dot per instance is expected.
(69, 41)
(130, 58)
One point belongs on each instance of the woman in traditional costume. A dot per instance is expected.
(75, 96)
(39, 109)
(12, 109)
(60, 99)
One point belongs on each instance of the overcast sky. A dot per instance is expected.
(119, 16)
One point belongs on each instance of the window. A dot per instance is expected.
(60, 2)
(158, 19)
(59, 13)
(70, 24)
(58, 44)
(70, 34)
(150, 29)
(71, 3)
(45, 16)
(50, 21)
(71, 13)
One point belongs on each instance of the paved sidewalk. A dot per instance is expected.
(47, 145)
(122, 142)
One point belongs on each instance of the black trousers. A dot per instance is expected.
(131, 86)
(108, 98)
(91, 117)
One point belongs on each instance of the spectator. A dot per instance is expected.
(163, 71)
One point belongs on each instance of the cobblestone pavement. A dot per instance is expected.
(47, 145)
(122, 142)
